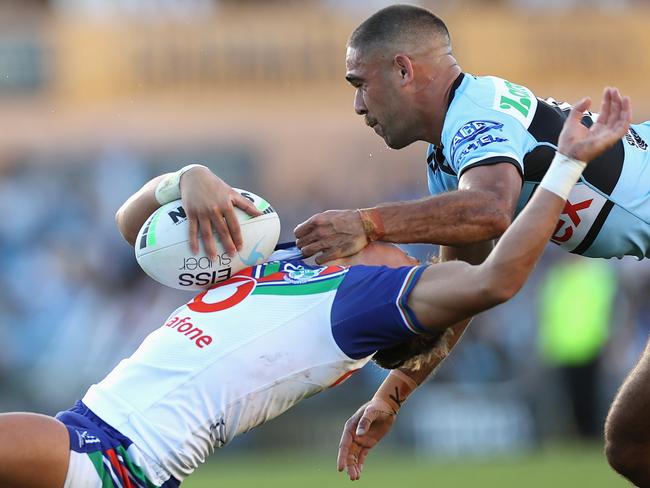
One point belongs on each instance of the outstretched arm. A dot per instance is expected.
(506, 268)
(374, 419)
(208, 202)
(480, 211)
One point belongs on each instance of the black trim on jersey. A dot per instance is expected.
(537, 161)
(437, 161)
(595, 228)
(603, 172)
(454, 87)
(493, 160)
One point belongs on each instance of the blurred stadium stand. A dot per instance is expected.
(98, 96)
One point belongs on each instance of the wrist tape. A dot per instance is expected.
(562, 175)
(395, 389)
(373, 225)
(169, 188)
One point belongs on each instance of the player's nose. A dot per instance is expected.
(359, 104)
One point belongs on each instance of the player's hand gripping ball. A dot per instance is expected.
(162, 247)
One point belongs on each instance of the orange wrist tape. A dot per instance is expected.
(373, 225)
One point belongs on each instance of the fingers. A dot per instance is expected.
(194, 234)
(310, 249)
(605, 108)
(234, 230)
(224, 235)
(303, 229)
(579, 108)
(205, 228)
(626, 114)
(245, 204)
(328, 255)
(352, 462)
(615, 104)
(344, 449)
(362, 457)
(369, 416)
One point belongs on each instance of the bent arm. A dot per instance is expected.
(481, 210)
(452, 291)
(449, 292)
(132, 214)
(208, 201)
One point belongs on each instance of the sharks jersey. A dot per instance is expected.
(247, 350)
(490, 120)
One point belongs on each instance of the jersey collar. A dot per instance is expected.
(454, 87)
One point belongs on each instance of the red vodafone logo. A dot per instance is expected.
(223, 296)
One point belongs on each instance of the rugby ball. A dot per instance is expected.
(162, 248)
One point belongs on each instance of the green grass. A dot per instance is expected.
(557, 467)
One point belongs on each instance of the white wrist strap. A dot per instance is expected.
(562, 175)
(169, 188)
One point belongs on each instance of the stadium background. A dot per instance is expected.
(97, 96)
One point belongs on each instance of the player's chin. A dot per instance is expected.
(396, 142)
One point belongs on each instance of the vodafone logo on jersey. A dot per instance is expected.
(223, 296)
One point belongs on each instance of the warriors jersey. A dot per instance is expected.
(248, 349)
(490, 120)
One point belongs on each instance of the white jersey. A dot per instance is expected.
(233, 358)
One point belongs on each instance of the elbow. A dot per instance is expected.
(500, 221)
(500, 287)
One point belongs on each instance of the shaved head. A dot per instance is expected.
(400, 28)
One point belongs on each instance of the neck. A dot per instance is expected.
(439, 99)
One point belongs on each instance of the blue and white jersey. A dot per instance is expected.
(491, 120)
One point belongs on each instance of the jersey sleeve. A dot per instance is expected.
(370, 310)
(481, 135)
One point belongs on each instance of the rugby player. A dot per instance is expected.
(492, 140)
(248, 349)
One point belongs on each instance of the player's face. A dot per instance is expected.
(378, 97)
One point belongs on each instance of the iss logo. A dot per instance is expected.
(473, 135)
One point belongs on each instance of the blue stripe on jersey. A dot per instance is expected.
(370, 310)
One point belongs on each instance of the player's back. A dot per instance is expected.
(492, 120)
(231, 359)
(247, 350)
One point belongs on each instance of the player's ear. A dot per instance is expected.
(404, 68)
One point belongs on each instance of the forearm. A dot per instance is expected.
(521, 246)
(420, 374)
(132, 214)
(455, 218)
(400, 383)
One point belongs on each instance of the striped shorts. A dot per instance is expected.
(101, 457)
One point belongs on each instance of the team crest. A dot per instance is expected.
(300, 274)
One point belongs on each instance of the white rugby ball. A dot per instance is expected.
(162, 247)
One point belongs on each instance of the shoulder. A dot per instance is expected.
(490, 97)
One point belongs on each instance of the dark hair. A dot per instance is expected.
(397, 23)
(395, 357)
